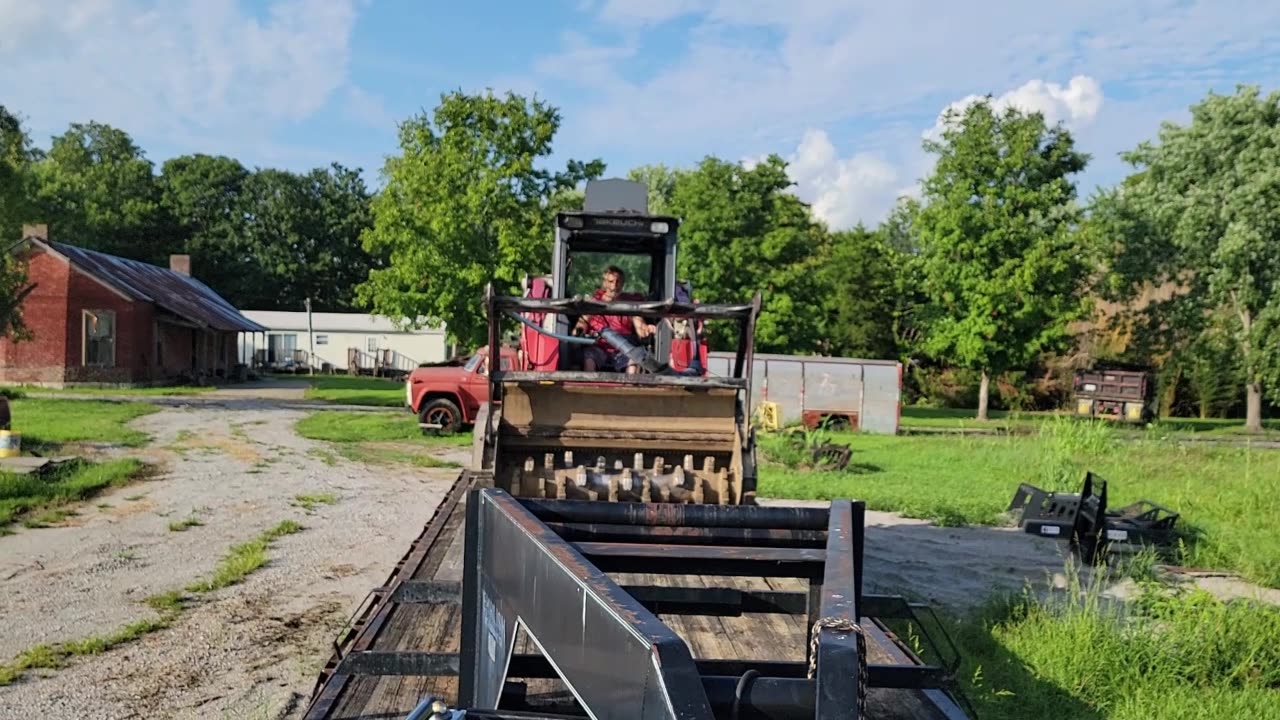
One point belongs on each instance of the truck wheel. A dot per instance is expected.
(442, 412)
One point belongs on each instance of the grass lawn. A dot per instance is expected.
(1173, 656)
(1169, 654)
(1227, 496)
(379, 438)
(922, 418)
(349, 390)
(46, 422)
(39, 501)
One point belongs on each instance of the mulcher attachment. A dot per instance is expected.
(646, 480)
(1091, 529)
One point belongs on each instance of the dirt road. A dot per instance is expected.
(250, 650)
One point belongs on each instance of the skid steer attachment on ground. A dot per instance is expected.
(1091, 529)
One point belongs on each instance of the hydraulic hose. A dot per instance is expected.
(566, 338)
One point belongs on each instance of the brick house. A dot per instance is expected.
(102, 319)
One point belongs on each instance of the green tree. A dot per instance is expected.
(897, 230)
(1003, 269)
(861, 301)
(16, 156)
(1202, 211)
(742, 233)
(97, 190)
(270, 239)
(464, 205)
(661, 182)
(204, 194)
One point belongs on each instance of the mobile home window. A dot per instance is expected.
(322, 339)
(99, 338)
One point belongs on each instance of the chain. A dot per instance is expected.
(848, 626)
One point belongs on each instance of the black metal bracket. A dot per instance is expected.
(1090, 528)
(540, 565)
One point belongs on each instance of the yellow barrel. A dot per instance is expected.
(10, 444)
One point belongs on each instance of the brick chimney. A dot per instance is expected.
(180, 264)
(40, 232)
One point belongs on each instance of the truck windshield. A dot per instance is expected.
(472, 362)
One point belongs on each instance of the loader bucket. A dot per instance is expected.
(619, 442)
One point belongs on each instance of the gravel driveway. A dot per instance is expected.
(251, 650)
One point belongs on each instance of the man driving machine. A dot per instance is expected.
(601, 355)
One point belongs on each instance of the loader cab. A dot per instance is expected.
(642, 246)
(613, 229)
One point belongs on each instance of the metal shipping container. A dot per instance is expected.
(869, 390)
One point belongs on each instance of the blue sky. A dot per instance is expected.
(845, 89)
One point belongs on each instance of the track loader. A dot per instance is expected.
(604, 555)
(667, 433)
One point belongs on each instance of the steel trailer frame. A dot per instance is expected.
(541, 567)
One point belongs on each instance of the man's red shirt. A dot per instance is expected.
(623, 324)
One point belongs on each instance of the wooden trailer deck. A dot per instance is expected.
(383, 624)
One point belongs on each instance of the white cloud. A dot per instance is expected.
(842, 191)
(196, 72)
(649, 11)
(367, 109)
(1075, 105)
(864, 186)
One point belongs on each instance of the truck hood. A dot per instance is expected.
(439, 373)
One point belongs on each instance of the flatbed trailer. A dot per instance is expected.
(753, 621)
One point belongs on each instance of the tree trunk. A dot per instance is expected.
(1253, 404)
(983, 391)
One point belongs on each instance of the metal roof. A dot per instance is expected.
(179, 294)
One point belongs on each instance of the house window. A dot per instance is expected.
(280, 347)
(372, 344)
(99, 338)
(322, 339)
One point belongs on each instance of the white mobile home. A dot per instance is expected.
(337, 339)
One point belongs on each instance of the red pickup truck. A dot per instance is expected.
(446, 396)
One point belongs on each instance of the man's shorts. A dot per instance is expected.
(606, 361)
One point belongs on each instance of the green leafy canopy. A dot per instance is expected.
(1003, 271)
(465, 204)
(1202, 210)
